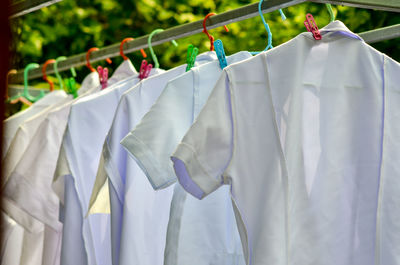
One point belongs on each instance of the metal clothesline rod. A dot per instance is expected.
(192, 28)
(383, 5)
(382, 34)
(24, 7)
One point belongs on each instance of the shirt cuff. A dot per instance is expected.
(191, 174)
(147, 161)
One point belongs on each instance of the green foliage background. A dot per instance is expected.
(72, 27)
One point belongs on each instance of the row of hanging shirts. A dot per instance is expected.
(285, 165)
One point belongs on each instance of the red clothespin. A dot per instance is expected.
(103, 75)
(145, 69)
(312, 27)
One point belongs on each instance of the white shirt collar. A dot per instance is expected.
(51, 97)
(333, 31)
(90, 81)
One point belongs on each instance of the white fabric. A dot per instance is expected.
(12, 123)
(26, 130)
(12, 238)
(139, 226)
(87, 241)
(305, 135)
(28, 197)
(189, 240)
(30, 184)
(27, 123)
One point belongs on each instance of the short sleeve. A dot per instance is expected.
(206, 150)
(155, 138)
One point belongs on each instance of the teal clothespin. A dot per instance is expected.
(191, 56)
(219, 49)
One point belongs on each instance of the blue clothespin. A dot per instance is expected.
(219, 49)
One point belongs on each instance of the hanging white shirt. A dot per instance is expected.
(14, 236)
(25, 131)
(38, 213)
(28, 128)
(305, 135)
(12, 123)
(139, 226)
(29, 186)
(27, 122)
(87, 241)
(189, 240)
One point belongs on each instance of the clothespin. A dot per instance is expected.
(71, 86)
(145, 69)
(103, 75)
(219, 49)
(312, 27)
(191, 56)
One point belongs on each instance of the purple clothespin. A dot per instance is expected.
(145, 69)
(103, 75)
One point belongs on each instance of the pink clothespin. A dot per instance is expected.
(145, 69)
(103, 75)
(312, 27)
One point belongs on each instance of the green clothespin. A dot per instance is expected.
(71, 84)
(191, 56)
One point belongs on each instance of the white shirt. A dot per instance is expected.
(14, 233)
(12, 123)
(24, 245)
(153, 141)
(29, 186)
(306, 136)
(139, 214)
(87, 241)
(28, 195)
(26, 130)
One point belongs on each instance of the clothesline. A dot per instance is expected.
(21, 8)
(224, 18)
